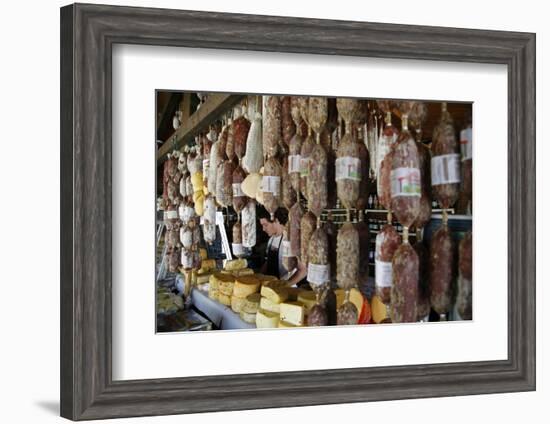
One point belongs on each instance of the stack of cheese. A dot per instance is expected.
(221, 287)
(282, 306)
(202, 275)
(245, 286)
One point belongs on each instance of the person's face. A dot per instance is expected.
(270, 228)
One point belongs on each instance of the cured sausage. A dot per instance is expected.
(364, 242)
(294, 149)
(464, 295)
(347, 257)
(332, 234)
(209, 229)
(271, 185)
(288, 193)
(404, 292)
(254, 157)
(384, 149)
(425, 211)
(387, 242)
(288, 126)
(307, 225)
(445, 163)
(248, 218)
(317, 316)
(239, 198)
(441, 269)
(318, 272)
(317, 184)
(294, 218)
(241, 127)
(230, 140)
(271, 125)
(405, 178)
(305, 152)
(423, 299)
(347, 314)
(228, 168)
(216, 157)
(237, 243)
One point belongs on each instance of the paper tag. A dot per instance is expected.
(238, 249)
(293, 163)
(201, 220)
(237, 190)
(446, 169)
(405, 182)
(186, 259)
(382, 274)
(318, 274)
(304, 167)
(285, 246)
(271, 184)
(348, 168)
(172, 214)
(466, 144)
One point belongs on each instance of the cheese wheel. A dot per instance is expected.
(292, 312)
(248, 317)
(226, 287)
(268, 305)
(237, 303)
(266, 319)
(275, 292)
(218, 277)
(213, 294)
(307, 298)
(224, 299)
(252, 303)
(235, 264)
(284, 324)
(245, 285)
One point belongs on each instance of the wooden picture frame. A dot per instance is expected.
(88, 33)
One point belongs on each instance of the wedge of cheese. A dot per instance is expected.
(284, 324)
(248, 317)
(237, 304)
(252, 303)
(379, 310)
(275, 292)
(266, 319)
(307, 298)
(235, 264)
(245, 285)
(292, 312)
(224, 299)
(269, 305)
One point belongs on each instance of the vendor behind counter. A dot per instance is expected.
(273, 259)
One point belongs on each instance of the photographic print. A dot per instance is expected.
(278, 211)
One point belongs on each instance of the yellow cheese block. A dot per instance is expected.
(235, 264)
(245, 285)
(204, 278)
(307, 298)
(284, 324)
(252, 303)
(226, 287)
(266, 319)
(251, 184)
(292, 312)
(355, 297)
(214, 294)
(224, 299)
(248, 317)
(379, 310)
(218, 277)
(240, 272)
(269, 305)
(275, 292)
(196, 180)
(237, 303)
(207, 265)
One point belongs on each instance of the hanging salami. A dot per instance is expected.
(384, 160)
(287, 123)
(271, 185)
(387, 242)
(441, 269)
(209, 226)
(254, 157)
(295, 145)
(307, 225)
(305, 153)
(241, 128)
(318, 268)
(295, 217)
(230, 140)
(248, 218)
(290, 261)
(464, 295)
(239, 198)
(347, 257)
(445, 163)
(404, 292)
(271, 125)
(287, 192)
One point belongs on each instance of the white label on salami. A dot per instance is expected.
(287, 251)
(446, 169)
(304, 167)
(237, 190)
(271, 184)
(318, 274)
(293, 163)
(186, 259)
(382, 274)
(238, 249)
(405, 182)
(172, 214)
(466, 144)
(201, 220)
(205, 166)
(348, 168)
